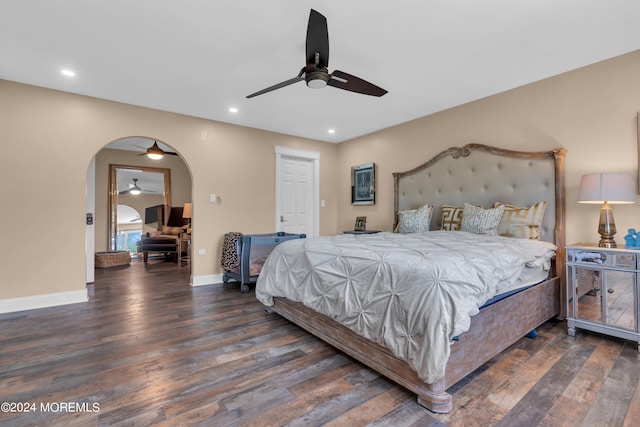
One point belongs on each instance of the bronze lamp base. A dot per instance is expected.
(607, 227)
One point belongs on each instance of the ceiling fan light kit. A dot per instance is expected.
(316, 73)
(133, 188)
(317, 79)
(155, 152)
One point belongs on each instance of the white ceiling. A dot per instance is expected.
(201, 57)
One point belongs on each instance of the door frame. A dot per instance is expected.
(314, 157)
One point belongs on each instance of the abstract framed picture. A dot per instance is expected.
(363, 184)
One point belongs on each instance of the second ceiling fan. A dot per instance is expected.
(155, 152)
(135, 189)
(316, 73)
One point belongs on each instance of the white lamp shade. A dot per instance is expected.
(613, 187)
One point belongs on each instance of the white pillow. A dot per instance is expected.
(415, 220)
(481, 221)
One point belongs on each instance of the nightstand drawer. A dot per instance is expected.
(601, 258)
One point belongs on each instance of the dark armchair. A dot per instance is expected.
(167, 239)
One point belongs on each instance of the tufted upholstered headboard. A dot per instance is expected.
(481, 175)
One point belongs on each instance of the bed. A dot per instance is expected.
(477, 175)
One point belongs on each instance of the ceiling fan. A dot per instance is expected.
(155, 152)
(316, 73)
(135, 189)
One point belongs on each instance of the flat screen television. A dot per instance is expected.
(151, 214)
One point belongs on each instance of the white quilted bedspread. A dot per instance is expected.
(411, 293)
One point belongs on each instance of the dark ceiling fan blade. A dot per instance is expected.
(317, 40)
(168, 153)
(345, 81)
(296, 79)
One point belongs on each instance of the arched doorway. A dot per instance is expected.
(128, 151)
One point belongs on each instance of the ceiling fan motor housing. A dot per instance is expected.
(317, 79)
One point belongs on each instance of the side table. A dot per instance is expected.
(184, 251)
(603, 290)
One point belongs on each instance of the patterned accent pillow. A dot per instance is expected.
(415, 220)
(481, 221)
(521, 222)
(451, 217)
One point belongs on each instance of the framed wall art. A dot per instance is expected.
(363, 184)
(361, 223)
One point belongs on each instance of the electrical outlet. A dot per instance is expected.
(202, 251)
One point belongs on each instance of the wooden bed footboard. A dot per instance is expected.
(489, 335)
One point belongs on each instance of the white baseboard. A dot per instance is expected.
(208, 279)
(41, 301)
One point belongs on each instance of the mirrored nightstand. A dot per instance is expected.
(602, 290)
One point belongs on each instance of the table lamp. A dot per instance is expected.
(607, 188)
(186, 213)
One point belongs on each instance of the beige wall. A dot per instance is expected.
(48, 139)
(591, 112)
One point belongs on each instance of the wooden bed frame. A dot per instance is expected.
(488, 174)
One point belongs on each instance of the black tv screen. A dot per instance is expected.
(151, 214)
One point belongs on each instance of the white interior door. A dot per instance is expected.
(297, 191)
(295, 202)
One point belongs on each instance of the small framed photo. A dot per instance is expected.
(361, 223)
(363, 184)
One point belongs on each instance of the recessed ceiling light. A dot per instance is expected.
(331, 131)
(233, 110)
(68, 73)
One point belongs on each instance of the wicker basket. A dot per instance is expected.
(112, 259)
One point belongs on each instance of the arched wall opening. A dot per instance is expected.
(129, 151)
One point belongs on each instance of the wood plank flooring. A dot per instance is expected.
(148, 349)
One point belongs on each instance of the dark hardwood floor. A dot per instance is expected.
(148, 349)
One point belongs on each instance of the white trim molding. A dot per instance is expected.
(42, 301)
(209, 279)
(314, 157)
